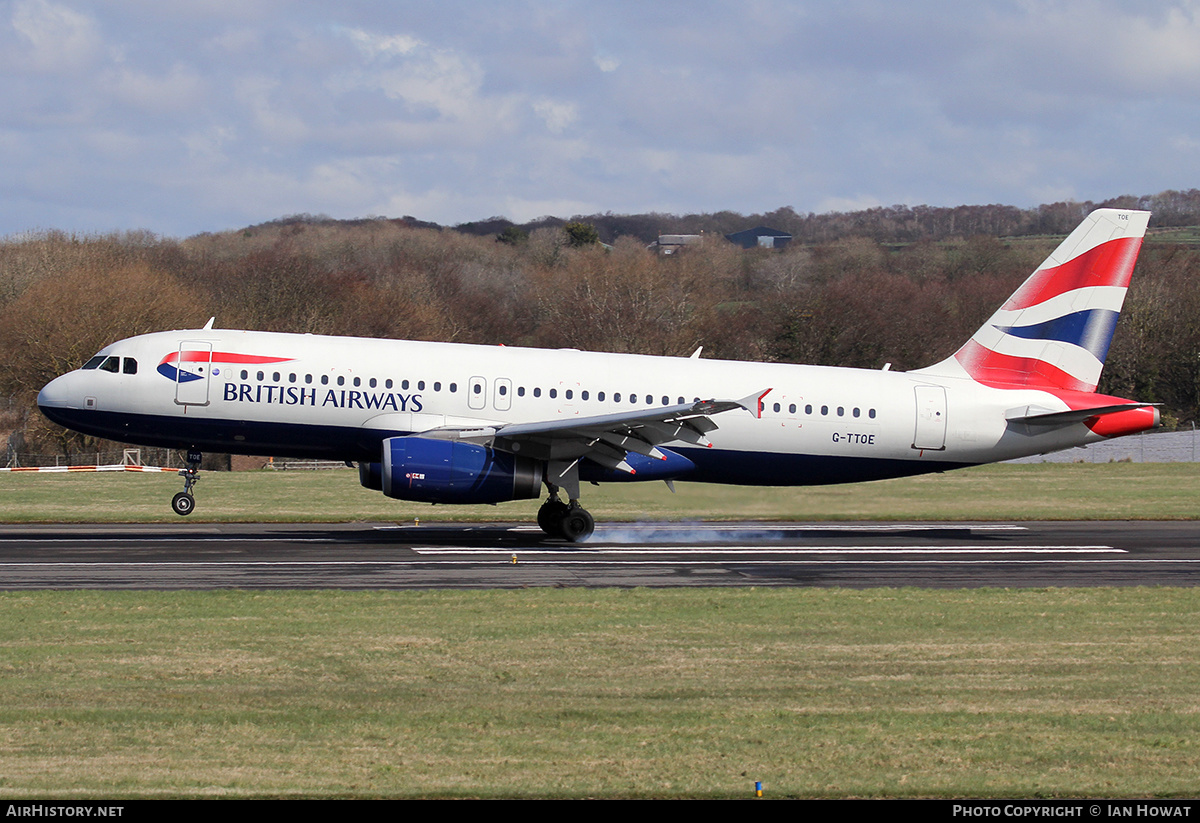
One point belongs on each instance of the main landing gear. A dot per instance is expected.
(183, 503)
(572, 522)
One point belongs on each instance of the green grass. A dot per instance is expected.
(1145, 491)
(609, 693)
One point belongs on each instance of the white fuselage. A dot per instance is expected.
(340, 397)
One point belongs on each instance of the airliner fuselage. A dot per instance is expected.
(454, 423)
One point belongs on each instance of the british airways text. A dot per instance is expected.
(338, 398)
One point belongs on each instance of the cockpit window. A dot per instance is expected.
(94, 363)
(112, 364)
(130, 366)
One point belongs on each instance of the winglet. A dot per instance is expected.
(753, 402)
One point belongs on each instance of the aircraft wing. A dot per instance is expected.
(606, 439)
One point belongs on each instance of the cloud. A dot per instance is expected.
(223, 112)
(557, 116)
(56, 38)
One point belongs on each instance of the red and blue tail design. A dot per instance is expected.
(1054, 332)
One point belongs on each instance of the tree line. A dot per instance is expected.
(852, 300)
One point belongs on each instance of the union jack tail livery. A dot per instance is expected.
(1054, 332)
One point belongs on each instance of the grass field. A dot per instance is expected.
(605, 693)
(1106, 491)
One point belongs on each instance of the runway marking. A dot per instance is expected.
(544, 562)
(790, 550)
(149, 538)
(729, 527)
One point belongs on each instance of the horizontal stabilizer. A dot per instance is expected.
(1039, 416)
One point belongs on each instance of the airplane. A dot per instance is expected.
(457, 423)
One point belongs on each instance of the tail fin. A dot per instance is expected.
(1054, 332)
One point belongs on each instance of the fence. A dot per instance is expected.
(166, 458)
(1178, 446)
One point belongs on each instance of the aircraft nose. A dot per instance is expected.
(61, 399)
(57, 393)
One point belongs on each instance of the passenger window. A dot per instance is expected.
(308, 378)
(420, 385)
(130, 365)
(776, 408)
(792, 408)
(520, 391)
(841, 412)
(871, 414)
(324, 380)
(437, 386)
(570, 394)
(292, 377)
(387, 384)
(616, 397)
(404, 385)
(857, 412)
(372, 382)
(357, 382)
(477, 388)
(275, 377)
(808, 408)
(554, 392)
(584, 394)
(503, 390)
(453, 388)
(600, 397)
(824, 410)
(260, 375)
(341, 380)
(245, 374)
(537, 392)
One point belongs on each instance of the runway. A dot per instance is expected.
(387, 556)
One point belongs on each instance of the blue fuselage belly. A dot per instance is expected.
(750, 468)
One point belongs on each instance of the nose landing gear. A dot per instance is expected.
(184, 503)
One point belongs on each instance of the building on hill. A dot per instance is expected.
(672, 243)
(760, 237)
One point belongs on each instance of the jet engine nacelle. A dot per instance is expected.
(448, 471)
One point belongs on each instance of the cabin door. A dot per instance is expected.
(192, 372)
(930, 432)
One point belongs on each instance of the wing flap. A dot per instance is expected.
(606, 439)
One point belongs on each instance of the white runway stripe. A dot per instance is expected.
(785, 550)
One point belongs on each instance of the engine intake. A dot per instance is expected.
(448, 471)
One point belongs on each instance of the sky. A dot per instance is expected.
(186, 117)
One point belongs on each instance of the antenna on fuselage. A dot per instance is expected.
(208, 325)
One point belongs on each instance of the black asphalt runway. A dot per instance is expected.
(458, 556)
